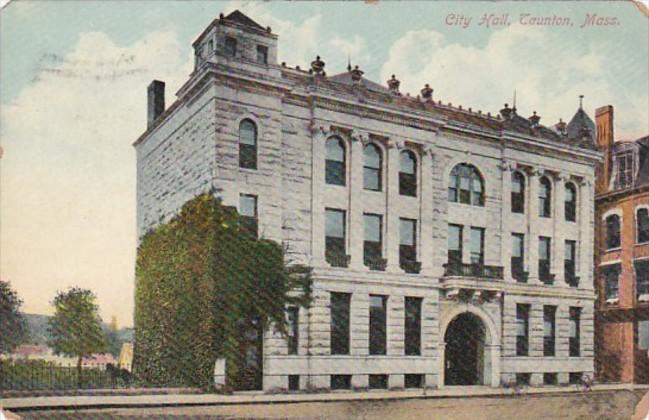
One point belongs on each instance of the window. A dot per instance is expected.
(570, 251)
(575, 314)
(407, 243)
(624, 169)
(262, 54)
(545, 197)
(373, 244)
(570, 204)
(518, 193)
(643, 334)
(341, 381)
(340, 323)
(522, 329)
(378, 322)
(335, 162)
(642, 225)
(642, 277)
(613, 231)
(412, 336)
(477, 246)
(549, 332)
(378, 381)
(210, 46)
(248, 214)
(523, 378)
(293, 382)
(611, 284)
(454, 245)
(466, 185)
(549, 379)
(372, 167)
(335, 251)
(518, 257)
(247, 145)
(544, 260)
(574, 378)
(407, 173)
(413, 380)
(293, 329)
(230, 46)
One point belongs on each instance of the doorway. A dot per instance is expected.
(464, 354)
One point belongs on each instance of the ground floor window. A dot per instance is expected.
(378, 381)
(414, 380)
(574, 377)
(549, 378)
(523, 378)
(341, 381)
(643, 335)
(293, 382)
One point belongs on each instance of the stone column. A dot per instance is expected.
(319, 136)
(355, 210)
(392, 211)
(585, 216)
(558, 233)
(532, 237)
(426, 215)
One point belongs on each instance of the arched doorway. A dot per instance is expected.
(464, 353)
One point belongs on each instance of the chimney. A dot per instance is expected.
(605, 139)
(156, 101)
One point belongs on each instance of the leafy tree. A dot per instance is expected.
(13, 327)
(75, 328)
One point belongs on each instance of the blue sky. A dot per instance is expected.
(73, 77)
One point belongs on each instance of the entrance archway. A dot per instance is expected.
(464, 353)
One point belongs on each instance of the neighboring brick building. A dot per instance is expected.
(622, 256)
(449, 246)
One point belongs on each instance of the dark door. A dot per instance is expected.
(250, 358)
(464, 351)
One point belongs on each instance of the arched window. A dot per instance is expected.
(408, 173)
(466, 185)
(247, 144)
(372, 167)
(335, 162)
(518, 192)
(642, 225)
(613, 231)
(545, 197)
(570, 202)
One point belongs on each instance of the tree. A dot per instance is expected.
(13, 327)
(75, 328)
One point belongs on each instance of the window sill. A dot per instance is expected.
(643, 298)
(613, 301)
(619, 248)
(641, 243)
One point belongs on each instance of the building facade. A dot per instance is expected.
(449, 246)
(622, 256)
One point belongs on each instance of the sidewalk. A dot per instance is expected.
(144, 401)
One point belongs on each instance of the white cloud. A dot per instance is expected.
(68, 170)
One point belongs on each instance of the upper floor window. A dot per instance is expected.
(335, 162)
(570, 204)
(262, 54)
(642, 277)
(466, 185)
(454, 245)
(624, 169)
(518, 257)
(230, 46)
(642, 225)
(643, 334)
(569, 265)
(611, 282)
(544, 260)
(372, 167)
(545, 197)
(247, 144)
(407, 173)
(477, 246)
(408, 244)
(335, 249)
(372, 241)
(248, 212)
(613, 231)
(518, 192)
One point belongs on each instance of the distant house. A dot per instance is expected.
(46, 354)
(126, 356)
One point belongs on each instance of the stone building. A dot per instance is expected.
(449, 246)
(622, 256)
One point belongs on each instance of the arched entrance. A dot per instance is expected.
(464, 353)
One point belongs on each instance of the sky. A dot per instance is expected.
(73, 78)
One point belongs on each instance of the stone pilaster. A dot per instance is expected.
(558, 232)
(426, 215)
(585, 216)
(505, 215)
(319, 136)
(392, 211)
(355, 210)
(532, 239)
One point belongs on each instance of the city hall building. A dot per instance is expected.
(449, 246)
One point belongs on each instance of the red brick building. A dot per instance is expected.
(622, 256)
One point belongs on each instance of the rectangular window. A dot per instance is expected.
(518, 257)
(335, 249)
(569, 270)
(340, 303)
(341, 381)
(574, 333)
(624, 169)
(611, 281)
(230, 46)
(549, 332)
(544, 260)
(293, 329)
(613, 232)
(518, 193)
(549, 379)
(642, 224)
(574, 378)
(477, 246)
(452, 189)
(642, 277)
(248, 212)
(454, 245)
(643, 334)
(378, 381)
(523, 378)
(373, 243)
(262, 54)
(407, 244)
(378, 324)
(413, 326)
(413, 380)
(293, 382)
(522, 329)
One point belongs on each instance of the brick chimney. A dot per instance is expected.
(605, 139)
(156, 101)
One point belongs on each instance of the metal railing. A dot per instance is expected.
(376, 264)
(410, 267)
(337, 259)
(473, 270)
